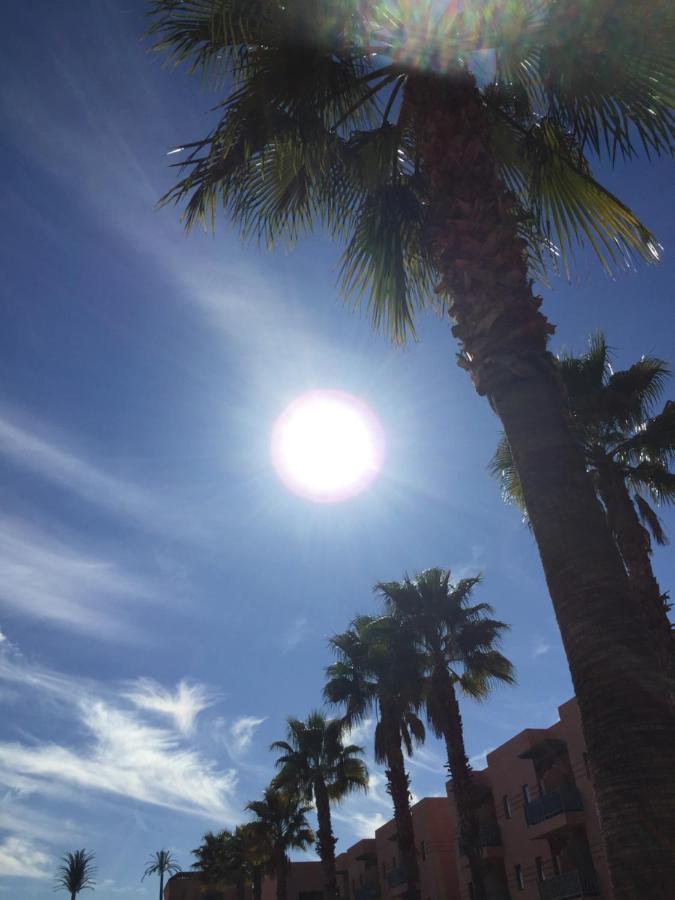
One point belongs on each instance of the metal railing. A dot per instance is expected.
(396, 876)
(489, 835)
(570, 885)
(566, 799)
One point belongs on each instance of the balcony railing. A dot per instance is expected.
(570, 885)
(396, 876)
(368, 891)
(566, 799)
(490, 835)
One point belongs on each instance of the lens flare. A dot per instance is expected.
(327, 446)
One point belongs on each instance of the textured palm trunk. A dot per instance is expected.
(460, 772)
(241, 890)
(635, 546)
(398, 785)
(281, 872)
(257, 885)
(627, 718)
(326, 842)
(161, 885)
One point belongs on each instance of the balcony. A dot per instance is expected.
(368, 891)
(557, 810)
(570, 885)
(489, 840)
(396, 876)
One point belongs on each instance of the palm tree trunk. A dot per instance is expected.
(161, 885)
(398, 785)
(257, 885)
(326, 841)
(281, 871)
(627, 718)
(460, 771)
(635, 546)
(73, 895)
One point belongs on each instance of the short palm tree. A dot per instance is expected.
(238, 858)
(628, 449)
(281, 819)
(378, 669)
(366, 118)
(76, 873)
(320, 767)
(161, 863)
(459, 642)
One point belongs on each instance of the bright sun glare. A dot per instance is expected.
(327, 446)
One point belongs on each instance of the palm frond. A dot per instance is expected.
(503, 468)
(651, 520)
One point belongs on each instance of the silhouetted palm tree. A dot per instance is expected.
(281, 819)
(319, 766)
(459, 643)
(365, 119)
(628, 449)
(76, 873)
(238, 858)
(161, 863)
(378, 670)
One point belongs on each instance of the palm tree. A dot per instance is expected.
(459, 642)
(161, 863)
(628, 449)
(317, 764)
(281, 819)
(76, 873)
(379, 670)
(238, 858)
(366, 119)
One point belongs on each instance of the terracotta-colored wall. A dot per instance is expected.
(507, 774)
(190, 886)
(303, 877)
(435, 837)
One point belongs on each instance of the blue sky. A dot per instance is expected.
(165, 602)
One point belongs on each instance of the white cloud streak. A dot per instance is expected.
(44, 578)
(21, 858)
(540, 648)
(182, 705)
(294, 634)
(122, 754)
(240, 734)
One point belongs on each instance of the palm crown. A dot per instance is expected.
(76, 872)
(378, 669)
(316, 128)
(617, 426)
(315, 749)
(281, 816)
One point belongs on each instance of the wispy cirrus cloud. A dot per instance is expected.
(22, 858)
(118, 752)
(241, 732)
(540, 647)
(182, 705)
(46, 579)
(294, 634)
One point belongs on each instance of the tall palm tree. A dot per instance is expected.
(238, 858)
(379, 670)
(161, 863)
(318, 765)
(365, 118)
(76, 873)
(281, 818)
(628, 449)
(459, 641)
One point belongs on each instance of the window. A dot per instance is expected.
(520, 880)
(540, 868)
(423, 851)
(507, 806)
(526, 793)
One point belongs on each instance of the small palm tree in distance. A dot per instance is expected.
(161, 863)
(76, 873)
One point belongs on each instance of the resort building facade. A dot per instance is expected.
(540, 834)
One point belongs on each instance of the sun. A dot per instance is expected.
(327, 446)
